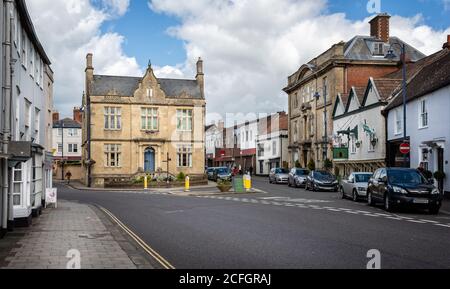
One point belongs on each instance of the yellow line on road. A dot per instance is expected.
(141, 243)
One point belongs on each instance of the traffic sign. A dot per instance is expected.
(405, 148)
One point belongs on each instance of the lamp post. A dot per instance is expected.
(391, 56)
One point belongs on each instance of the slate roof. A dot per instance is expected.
(126, 86)
(360, 92)
(361, 47)
(432, 74)
(68, 123)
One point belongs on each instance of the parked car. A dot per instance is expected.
(210, 173)
(322, 181)
(222, 173)
(297, 177)
(355, 186)
(403, 187)
(279, 176)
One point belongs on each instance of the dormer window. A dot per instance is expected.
(378, 49)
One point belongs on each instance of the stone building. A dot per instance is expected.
(336, 71)
(136, 125)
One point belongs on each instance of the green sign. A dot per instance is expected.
(238, 185)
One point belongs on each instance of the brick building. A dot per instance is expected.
(343, 66)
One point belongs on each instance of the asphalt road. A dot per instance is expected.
(280, 228)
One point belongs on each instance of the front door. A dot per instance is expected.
(149, 160)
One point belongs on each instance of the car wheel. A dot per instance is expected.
(434, 210)
(370, 200)
(355, 196)
(343, 193)
(388, 207)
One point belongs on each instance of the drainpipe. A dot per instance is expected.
(7, 202)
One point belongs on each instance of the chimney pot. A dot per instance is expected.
(379, 27)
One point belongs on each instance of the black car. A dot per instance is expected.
(210, 173)
(322, 181)
(297, 177)
(403, 187)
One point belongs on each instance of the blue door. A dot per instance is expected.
(149, 160)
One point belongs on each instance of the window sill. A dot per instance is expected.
(423, 127)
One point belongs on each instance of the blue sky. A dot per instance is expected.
(167, 50)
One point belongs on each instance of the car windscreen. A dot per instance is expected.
(405, 178)
(223, 171)
(323, 175)
(281, 171)
(362, 178)
(302, 172)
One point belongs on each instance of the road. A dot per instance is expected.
(281, 228)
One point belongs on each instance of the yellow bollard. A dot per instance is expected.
(187, 185)
(145, 183)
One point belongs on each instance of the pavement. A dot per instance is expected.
(64, 235)
(276, 227)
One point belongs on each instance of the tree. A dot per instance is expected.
(311, 165)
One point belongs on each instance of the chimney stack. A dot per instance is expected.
(447, 44)
(379, 27)
(89, 73)
(200, 76)
(55, 117)
(77, 115)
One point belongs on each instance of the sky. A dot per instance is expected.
(249, 47)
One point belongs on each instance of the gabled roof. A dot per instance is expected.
(432, 74)
(386, 86)
(126, 86)
(356, 94)
(341, 100)
(67, 123)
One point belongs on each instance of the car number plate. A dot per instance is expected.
(420, 201)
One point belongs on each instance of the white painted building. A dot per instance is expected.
(67, 140)
(272, 151)
(428, 118)
(214, 140)
(26, 93)
(359, 127)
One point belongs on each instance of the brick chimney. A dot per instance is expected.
(447, 44)
(379, 27)
(55, 117)
(77, 115)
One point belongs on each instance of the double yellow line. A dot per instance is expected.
(138, 240)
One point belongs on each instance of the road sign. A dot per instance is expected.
(405, 148)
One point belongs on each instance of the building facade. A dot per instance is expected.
(428, 116)
(214, 141)
(136, 125)
(359, 127)
(272, 144)
(312, 90)
(27, 83)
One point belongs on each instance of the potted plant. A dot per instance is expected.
(224, 186)
(311, 165)
(439, 175)
(297, 164)
(328, 164)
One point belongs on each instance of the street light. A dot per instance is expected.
(391, 56)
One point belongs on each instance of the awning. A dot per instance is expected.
(20, 151)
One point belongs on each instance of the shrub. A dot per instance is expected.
(328, 164)
(311, 165)
(427, 174)
(181, 177)
(297, 164)
(439, 175)
(223, 183)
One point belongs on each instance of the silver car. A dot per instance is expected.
(355, 186)
(297, 177)
(279, 176)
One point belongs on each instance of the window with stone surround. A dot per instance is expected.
(149, 119)
(112, 155)
(113, 118)
(184, 156)
(184, 119)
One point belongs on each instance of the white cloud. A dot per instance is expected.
(250, 47)
(69, 29)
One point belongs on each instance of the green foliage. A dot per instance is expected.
(223, 183)
(328, 164)
(439, 175)
(311, 165)
(297, 164)
(427, 174)
(181, 177)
